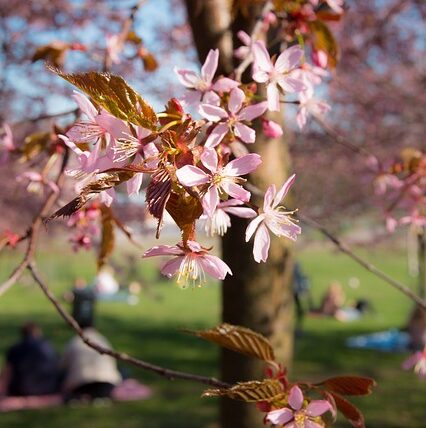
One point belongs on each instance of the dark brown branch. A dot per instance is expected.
(34, 230)
(364, 263)
(120, 356)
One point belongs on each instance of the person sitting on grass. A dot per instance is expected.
(31, 366)
(88, 375)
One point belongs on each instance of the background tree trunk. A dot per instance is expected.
(258, 296)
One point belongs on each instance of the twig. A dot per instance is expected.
(33, 231)
(348, 251)
(364, 263)
(45, 116)
(256, 30)
(121, 356)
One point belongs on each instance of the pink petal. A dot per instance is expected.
(85, 105)
(290, 84)
(209, 159)
(251, 228)
(210, 65)
(172, 266)
(301, 117)
(190, 175)
(191, 98)
(214, 266)
(217, 135)
(194, 246)
(116, 127)
(261, 245)
(253, 111)
(280, 416)
(134, 184)
(188, 78)
(260, 76)
(269, 196)
(242, 212)
(288, 59)
(236, 100)
(271, 129)
(284, 190)
(273, 97)
(244, 37)
(242, 165)
(107, 197)
(211, 98)
(244, 133)
(225, 84)
(163, 250)
(212, 113)
(236, 191)
(318, 407)
(312, 424)
(412, 360)
(210, 201)
(295, 398)
(261, 57)
(231, 203)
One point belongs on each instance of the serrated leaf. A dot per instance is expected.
(53, 52)
(114, 95)
(107, 181)
(239, 339)
(349, 385)
(253, 391)
(323, 39)
(108, 236)
(351, 413)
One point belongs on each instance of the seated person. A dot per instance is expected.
(31, 366)
(333, 300)
(88, 374)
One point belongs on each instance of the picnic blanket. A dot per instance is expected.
(388, 341)
(128, 390)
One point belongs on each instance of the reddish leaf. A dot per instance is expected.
(349, 385)
(108, 236)
(351, 413)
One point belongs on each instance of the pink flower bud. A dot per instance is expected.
(271, 129)
(319, 58)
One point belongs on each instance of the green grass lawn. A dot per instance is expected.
(149, 330)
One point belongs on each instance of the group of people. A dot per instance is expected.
(33, 368)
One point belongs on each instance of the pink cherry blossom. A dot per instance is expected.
(232, 120)
(418, 362)
(271, 129)
(273, 218)
(201, 85)
(6, 143)
(244, 52)
(319, 58)
(298, 414)
(310, 105)
(36, 182)
(220, 221)
(278, 75)
(114, 46)
(220, 179)
(190, 263)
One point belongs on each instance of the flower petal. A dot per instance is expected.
(260, 76)
(236, 100)
(214, 266)
(210, 201)
(163, 250)
(242, 165)
(261, 245)
(318, 407)
(269, 196)
(280, 416)
(261, 57)
(273, 97)
(236, 191)
(243, 212)
(210, 65)
(190, 175)
(312, 424)
(217, 135)
(295, 398)
(284, 190)
(188, 78)
(244, 133)
(251, 228)
(225, 84)
(244, 37)
(134, 184)
(85, 105)
(290, 84)
(212, 113)
(288, 59)
(209, 159)
(172, 266)
(253, 111)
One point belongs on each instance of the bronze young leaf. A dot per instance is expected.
(108, 236)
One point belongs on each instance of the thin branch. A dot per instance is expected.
(364, 263)
(34, 230)
(120, 356)
(45, 116)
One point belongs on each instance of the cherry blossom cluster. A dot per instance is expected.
(84, 225)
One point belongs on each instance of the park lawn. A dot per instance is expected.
(150, 330)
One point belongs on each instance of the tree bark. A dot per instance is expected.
(258, 296)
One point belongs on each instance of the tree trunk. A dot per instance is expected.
(258, 296)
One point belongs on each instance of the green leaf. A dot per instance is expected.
(239, 339)
(114, 95)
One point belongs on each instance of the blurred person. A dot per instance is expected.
(105, 283)
(32, 365)
(333, 299)
(83, 300)
(88, 374)
(416, 329)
